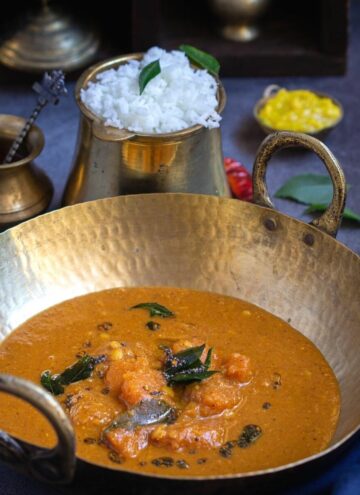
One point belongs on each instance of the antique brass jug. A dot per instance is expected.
(25, 190)
(109, 161)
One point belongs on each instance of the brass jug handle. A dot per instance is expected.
(56, 465)
(330, 220)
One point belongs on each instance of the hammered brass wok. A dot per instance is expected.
(297, 271)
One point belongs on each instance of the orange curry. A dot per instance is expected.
(173, 381)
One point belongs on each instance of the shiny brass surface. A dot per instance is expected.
(25, 190)
(270, 92)
(294, 270)
(239, 18)
(49, 40)
(330, 220)
(110, 162)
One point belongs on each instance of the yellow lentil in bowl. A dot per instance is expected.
(298, 110)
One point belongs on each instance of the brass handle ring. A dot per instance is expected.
(56, 465)
(330, 220)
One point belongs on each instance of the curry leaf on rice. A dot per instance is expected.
(148, 72)
(201, 58)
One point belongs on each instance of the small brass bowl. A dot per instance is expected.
(25, 189)
(272, 90)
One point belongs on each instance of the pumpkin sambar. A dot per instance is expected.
(173, 381)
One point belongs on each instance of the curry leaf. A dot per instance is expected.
(184, 359)
(148, 73)
(80, 370)
(202, 59)
(193, 375)
(208, 358)
(348, 213)
(155, 309)
(147, 412)
(51, 383)
(186, 366)
(314, 190)
(308, 189)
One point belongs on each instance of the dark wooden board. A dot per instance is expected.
(302, 38)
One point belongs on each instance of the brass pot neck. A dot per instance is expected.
(10, 127)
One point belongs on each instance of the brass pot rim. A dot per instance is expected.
(89, 75)
(267, 96)
(18, 122)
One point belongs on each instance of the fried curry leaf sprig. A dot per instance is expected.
(80, 370)
(155, 309)
(186, 366)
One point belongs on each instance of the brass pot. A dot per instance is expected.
(110, 161)
(25, 190)
(298, 272)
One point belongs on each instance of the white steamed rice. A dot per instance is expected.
(179, 97)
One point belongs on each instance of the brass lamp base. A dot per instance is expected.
(50, 40)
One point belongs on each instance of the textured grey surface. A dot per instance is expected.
(241, 135)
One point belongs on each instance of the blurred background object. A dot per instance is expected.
(47, 40)
(239, 17)
(295, 38)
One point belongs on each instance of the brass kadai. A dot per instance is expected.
(296, 271)
(111, 162)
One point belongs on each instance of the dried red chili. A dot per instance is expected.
(239, 179)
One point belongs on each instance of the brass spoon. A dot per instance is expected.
(50, 89)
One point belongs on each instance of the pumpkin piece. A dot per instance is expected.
(188, 434)
(237, 367)
(132, 380)
(89, 407)
(214, 395)
(127, 443)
